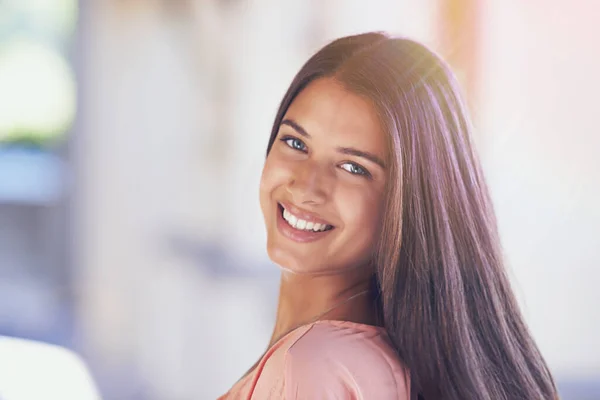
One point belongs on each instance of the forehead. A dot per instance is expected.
(326, 108)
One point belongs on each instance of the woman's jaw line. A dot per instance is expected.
(323, 272)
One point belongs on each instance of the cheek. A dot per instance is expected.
(274, 176)
(360, 211)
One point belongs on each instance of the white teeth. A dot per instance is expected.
(302, 224)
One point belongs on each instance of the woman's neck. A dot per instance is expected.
(306, 299)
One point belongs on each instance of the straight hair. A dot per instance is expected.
(442, 289)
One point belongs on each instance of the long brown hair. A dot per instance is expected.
(445, 297)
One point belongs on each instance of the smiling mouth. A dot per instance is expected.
(302, 224)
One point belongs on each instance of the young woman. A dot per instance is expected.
(377, 212)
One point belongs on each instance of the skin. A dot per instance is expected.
(313, 171)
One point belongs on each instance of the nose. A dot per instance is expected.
(310, 184)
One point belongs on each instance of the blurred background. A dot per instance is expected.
(132, 136)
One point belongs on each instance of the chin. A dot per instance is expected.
(285, 260)
(294, 263)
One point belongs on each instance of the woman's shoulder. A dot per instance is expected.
(346, 357)
(331, 337)
(356, 345)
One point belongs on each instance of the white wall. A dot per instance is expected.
(177, 105)
(540, 88)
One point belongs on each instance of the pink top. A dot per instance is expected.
(327, 360)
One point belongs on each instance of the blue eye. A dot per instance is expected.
(355, 169)
(294, 143)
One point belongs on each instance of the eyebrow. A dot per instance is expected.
(344, 150)
(364, 154)
(296, 127)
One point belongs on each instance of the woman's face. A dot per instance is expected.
(322, 185)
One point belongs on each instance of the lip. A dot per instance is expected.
(295, 234)
(305, 215)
